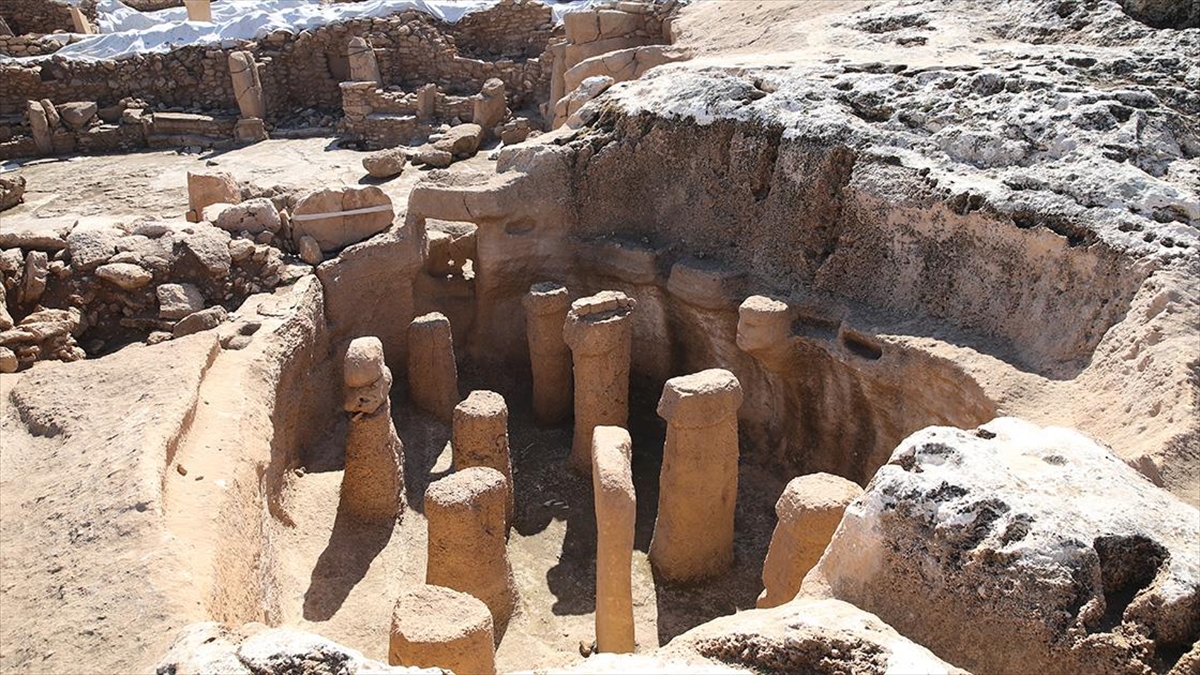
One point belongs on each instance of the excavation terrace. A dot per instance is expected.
(668, 337)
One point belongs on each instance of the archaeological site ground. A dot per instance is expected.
(820, 337)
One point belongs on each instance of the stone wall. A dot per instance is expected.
(514, 28)
(298, 71)
(42, 16)
(387, 118)
(17, 46)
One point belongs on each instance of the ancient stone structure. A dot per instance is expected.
(693, 534)
(82, 25)
(322, 215)
(373, 483)
(439, 627)
(546, 307)
(467, 550)
(206, 189)
(40, 126)
(427, 101)
(616, 513)
(491, 106)
(600, 336)
(480, 438)
(809, 510)
(247, 88)
(432, 372)
(363, 65)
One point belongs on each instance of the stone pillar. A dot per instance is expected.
(480, 438)
(427, 101)
(199, 10)
(546, 307)
(438, 627)
(600, 335)
(82, 25)
(363, 65)
(39, 125)
(616, 514)
(491, 106)
(373, 482)
(246, 85)
(697, 488)
(432, 373)
(764, 326)
(808, 512)
(465, 512)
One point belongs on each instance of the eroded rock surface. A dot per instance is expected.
(1061, 558)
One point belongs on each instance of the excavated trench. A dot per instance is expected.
(883, 289)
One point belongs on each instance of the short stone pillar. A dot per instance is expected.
(373, 482)
(600, 335)
(491, 106)
(764, 326)
(246, 86)
(39, 125)
(546, 307)
(616, 515)
(697, 488)
(465, 514)
(809, 510)
(199, 10)
(479, 437)
(439, 627)
(427, 101)
(363, 65)
(432, 372)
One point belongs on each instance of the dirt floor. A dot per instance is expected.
(340, 578)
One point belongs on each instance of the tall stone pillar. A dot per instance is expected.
(697, 487)
(438, 627)
(491, 106)
(600, 335)
(199, 10)
(809, 511)
(427, 101)
(39, 125)
(373, 482)
(465, 514)
(363, 65)
(616, 514)
(479, 437)
(432, 372)
(82, 25)
(546, 307)
(246, 86)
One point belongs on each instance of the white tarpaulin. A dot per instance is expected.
(124, 31)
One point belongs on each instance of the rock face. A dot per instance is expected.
(808, 512)
(319, 215)
(1060, 557)
(823, 637)
(255, 649)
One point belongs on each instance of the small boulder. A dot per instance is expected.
(91, 247)
(205, 319)
(77, 115)
(33, 281)
(310, 251)
(12, 191)
(210, 246)
(254, 216)
(386, 163)
(176, 301)
(127, 276)
(463, 139)
(210, 188)
(8, 360)
(240, 249)
(432, 157)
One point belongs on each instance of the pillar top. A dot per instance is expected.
(595, 324)
(547, 297)
(464, 487)
(612, 452)
(700, 399)
(481, 404)
(364, 362)
(431, 319)
(815, 492)
(762, 323)
(761, 304)
(436, 614)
